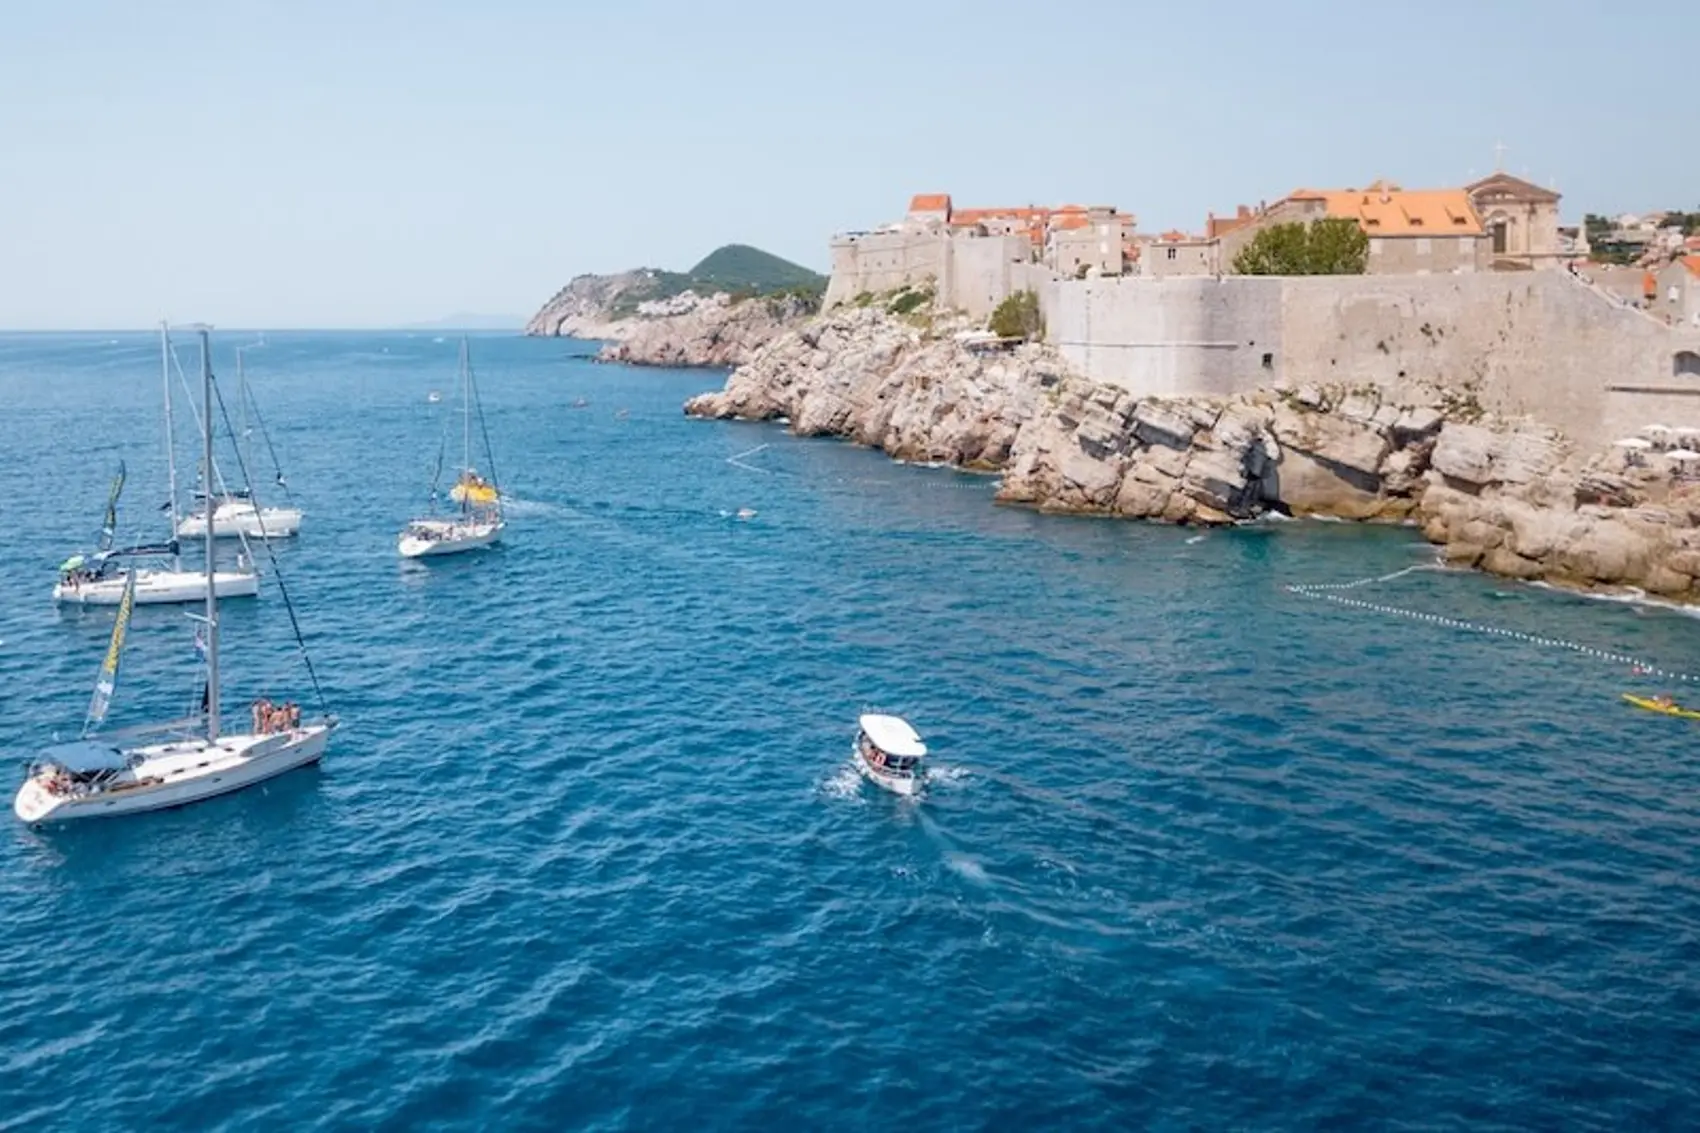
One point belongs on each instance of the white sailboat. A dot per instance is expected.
(106, 775)
(235, 513)
(101, 579)
(478, 523)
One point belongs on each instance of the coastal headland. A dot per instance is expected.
(1520, 417)
(714, 315)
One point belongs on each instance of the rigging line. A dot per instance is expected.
(277, 466)
(271, 555)
(489, 453)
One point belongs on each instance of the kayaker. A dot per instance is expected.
(1664, 702)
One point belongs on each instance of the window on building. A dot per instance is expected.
(1174, 253)
(1499, 240)
(1685, 365)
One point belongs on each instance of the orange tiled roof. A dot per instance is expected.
(1173, 236)
(1692, 263)
(1070, 220)
(1384, 209)
(930, 202)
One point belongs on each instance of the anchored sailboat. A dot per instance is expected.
(100, 579)
(235, 513)
(479, 522)
(105, 775)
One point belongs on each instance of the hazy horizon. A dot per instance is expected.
(319, 167)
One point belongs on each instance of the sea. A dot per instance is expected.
(1199, 850)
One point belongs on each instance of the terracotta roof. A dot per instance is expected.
(1070, 220)
(1384, 209)
(930, 202)
(1692, 263)
(1173, 236)
(1215, 226)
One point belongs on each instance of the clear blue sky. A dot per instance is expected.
(370, 163)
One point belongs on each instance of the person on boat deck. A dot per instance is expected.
(262, 714)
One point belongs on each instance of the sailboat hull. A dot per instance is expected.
(178, 773)
(430, 538)
(242, 519)
(159, 587)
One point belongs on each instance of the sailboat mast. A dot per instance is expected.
(212, 591)
(170, 439)
(465, 406)
(242, 418)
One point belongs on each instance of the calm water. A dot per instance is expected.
(587, 854)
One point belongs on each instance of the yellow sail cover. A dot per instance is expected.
(472, 488)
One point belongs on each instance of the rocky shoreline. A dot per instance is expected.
(1511, 497)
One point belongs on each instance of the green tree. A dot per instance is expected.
(1596, 225)
(1018, 317)
(1329, 246)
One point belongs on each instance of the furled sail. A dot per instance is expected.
(108, 680)
(109, 526)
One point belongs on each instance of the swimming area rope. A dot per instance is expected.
(1336, 592)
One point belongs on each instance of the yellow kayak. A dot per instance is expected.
(1652, 705)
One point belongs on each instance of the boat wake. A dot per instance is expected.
(845, 783)
(531, 507)
(947, 775)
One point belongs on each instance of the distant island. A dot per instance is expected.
(706, 316)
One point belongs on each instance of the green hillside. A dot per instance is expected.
(738, 269)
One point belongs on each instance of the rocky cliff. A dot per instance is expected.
(585, 308)
(1508, 496)
(689, 330)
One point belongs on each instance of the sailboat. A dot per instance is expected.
(102, 579)
(153, 767)
(235, 512)
(478, 523)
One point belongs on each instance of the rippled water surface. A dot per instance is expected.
(1198, 853)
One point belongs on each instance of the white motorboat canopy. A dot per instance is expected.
(83, 757)
(893, 735)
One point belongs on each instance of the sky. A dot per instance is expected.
(374, 163)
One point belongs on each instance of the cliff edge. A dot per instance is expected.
(1509, 496)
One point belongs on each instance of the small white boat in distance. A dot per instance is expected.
(426, 537)
(237, 515)
(890, 753)
(478, 521)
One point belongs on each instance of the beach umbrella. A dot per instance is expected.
(75, 562)
(1633, 442)
(1682, 454)
(1686, 431)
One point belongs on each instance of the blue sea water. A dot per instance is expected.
(1199, 854)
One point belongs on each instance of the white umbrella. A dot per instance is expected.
(1683, 454)
(1633, 442)
(1655, 428)
(1687, 431)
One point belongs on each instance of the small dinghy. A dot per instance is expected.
(890, 753)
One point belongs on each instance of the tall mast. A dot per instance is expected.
(242, 418)
(465, 406)
(170, 439)
(212, 591)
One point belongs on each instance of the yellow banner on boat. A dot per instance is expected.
(108, 680)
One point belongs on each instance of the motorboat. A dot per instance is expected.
(236, 514)
(101, 580)
(153, 767)
(425, 537)
(889, 752)
(477, 521)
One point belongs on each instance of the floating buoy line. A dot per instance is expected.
(1338, 593)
